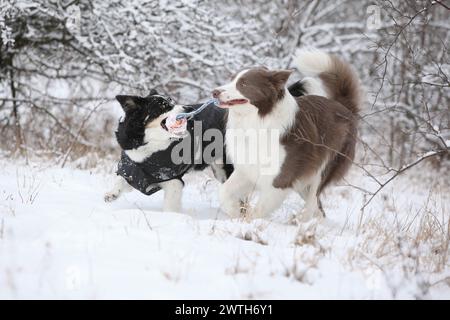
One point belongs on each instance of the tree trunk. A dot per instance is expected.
(20, 143)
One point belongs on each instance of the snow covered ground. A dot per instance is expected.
(58, 239)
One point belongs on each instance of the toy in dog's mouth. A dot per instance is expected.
(176, 127)
(233, 102)
(176, 124)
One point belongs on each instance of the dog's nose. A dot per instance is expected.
(216, 93)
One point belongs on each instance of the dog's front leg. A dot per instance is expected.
(120, 186)
(233, 192)
(173, 191)
(270, 199)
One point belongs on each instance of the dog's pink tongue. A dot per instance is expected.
(176, 127)
(235, 102)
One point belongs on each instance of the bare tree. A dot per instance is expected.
(59, 59)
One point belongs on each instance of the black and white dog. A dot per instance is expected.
(147, 163)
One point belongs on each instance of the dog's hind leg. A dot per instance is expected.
(322, 211)
(173, 191)
(309, 193)
(120, 186)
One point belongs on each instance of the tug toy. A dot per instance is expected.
(176, 124)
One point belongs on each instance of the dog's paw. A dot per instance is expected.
(110, 196)
(306, 215)
(232, 209)
(229, 205)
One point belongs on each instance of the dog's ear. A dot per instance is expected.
(280, 77)
(128, 102)
(152, 92)
(297, 89)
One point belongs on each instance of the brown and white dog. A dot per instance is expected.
(311, 139)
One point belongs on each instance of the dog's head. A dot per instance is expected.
(142, 115)
(258, 88)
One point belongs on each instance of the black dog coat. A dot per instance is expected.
(159, 167)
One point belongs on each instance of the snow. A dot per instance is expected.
(58, 239)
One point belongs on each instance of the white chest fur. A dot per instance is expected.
(158, 140)
(253, 142)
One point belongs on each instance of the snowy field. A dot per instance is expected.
(58, 239)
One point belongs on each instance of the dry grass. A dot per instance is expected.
(410, 249)
(28, 187)
(76, 135)
(239, 268)
(255, 235)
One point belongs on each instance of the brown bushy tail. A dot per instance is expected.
(338, 79)
(338, 82)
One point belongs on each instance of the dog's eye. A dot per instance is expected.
(170, 100)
